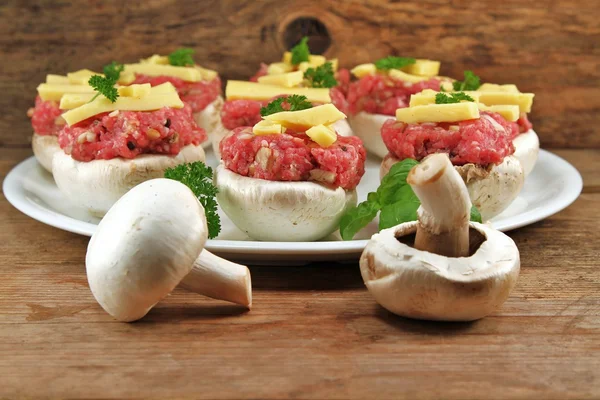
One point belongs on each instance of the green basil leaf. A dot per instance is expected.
(357, 218)
(475, 215)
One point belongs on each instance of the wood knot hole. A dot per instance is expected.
(318, 35)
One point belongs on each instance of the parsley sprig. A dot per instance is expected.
(198, 177)
(182, 57)
(293, 102)
(394, 200)
(105, 85)
(450, 98)
(320, 77)
(471, 82)
(300, 52)
(392, 62)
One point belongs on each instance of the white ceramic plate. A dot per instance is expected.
(552, 186)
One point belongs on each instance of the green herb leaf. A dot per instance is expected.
(113, 71)
(321, 77)
(475, 215)
(450, 98)
(471, 82)
(198, 177)
(181, 57)
(402, 211)
(293, 102)
(300, 52)
(392, 62)
(104, 86)
(357, 218)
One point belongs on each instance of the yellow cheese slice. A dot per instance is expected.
(523, 100)
(81, 77)
(54, 92)
(289, 79)
(154, 101)
(492, 87)
(508, 112)
(260, 91)
(279, 68)
(207, 74)
(404, 77)
(304, 119)
(155, 59)
(322, 135)
(427, 96)
(363, 70)
(438, 113)
(303, 66)
(314, 60)
(57, 79)
(334, 64)
(70, 101)
(265, 127)
(428, 68)
(188, 74)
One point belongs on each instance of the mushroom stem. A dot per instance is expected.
(220, 279)
(444, 214)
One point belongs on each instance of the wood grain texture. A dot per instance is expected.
(314, 331)
(550, 47)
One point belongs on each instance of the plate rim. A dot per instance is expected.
(14, 192)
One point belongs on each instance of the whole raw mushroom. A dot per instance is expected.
(440, 267)
(150, 241)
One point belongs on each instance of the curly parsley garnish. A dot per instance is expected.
(182, 57)
(320, 77)
(300, 52)
(105, 85)
(450, 98)
(471, 82)
(392, 62)
(198, 177)
(294, 102)
(394, 200)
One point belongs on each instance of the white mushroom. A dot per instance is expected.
(96, 185)
(440, 267)
(209, 119)
(368, 127)
(151, 240)
(44, 148)
(281, 211)
(527, 147)
(492, 189)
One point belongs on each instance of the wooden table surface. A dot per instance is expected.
(314, 331)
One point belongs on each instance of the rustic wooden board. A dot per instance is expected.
(550, 49)
(314, 331)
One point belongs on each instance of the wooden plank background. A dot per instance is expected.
(547, 47)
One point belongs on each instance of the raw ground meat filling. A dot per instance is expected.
(128, 134)
(482, 141)
(197, 94)
(380, 94)
(293, 156)
(45, 117)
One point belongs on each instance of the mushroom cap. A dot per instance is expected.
(144, 246)
(96, 185)
(527, 147)
(491, 189)
(209, 119)
(418, 284)
(368, 127)
(281, 211)
(44, 148)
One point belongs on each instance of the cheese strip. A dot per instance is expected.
(323, 135)
(54, 92)
(260, 91)
(81, 77)
(290, 79)
(363, 70)
(492, 87)
(57, 79)
(279, 68)
(427, 96)
(404, 77)
(313, 59)
(428, 68)
(305, 119)
(508, 112)
(155, 59)
(438, 113)
(70, 101)
(156, 99)
(267, 128)
(523, 100)
(188, 74)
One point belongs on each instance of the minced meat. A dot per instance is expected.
(45, 117)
